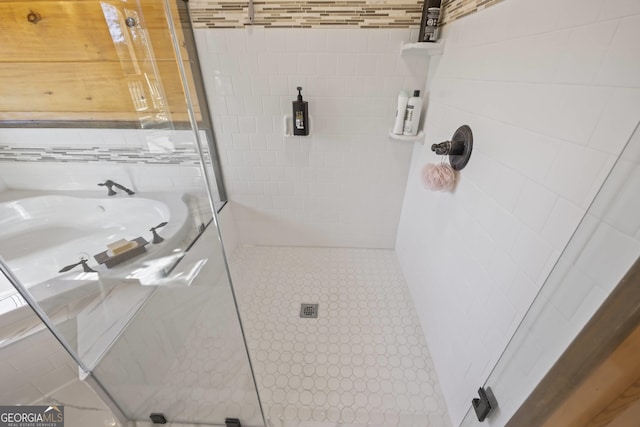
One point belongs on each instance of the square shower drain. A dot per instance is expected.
(309, 311)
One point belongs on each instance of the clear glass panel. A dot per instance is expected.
(189, 361)
(602, 249)
(107, 222)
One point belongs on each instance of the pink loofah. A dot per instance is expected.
(440, 177)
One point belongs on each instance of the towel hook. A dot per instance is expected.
(458, 149)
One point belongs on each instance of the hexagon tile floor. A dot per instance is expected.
(362, 362)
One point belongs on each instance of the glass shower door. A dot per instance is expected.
(108, 203)
(602, 249)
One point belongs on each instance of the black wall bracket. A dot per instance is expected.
(458, 149)
(485, 404)
(158, 418)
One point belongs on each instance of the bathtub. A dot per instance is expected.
(40, 235)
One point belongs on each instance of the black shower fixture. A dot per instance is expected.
(458, 149)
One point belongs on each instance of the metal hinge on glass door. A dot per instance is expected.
(485, 404)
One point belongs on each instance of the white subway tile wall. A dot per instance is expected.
(551, 104)
(342, 185)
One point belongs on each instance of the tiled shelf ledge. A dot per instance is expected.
(419, 137)
(423, 48)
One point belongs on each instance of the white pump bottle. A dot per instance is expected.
(412, 118)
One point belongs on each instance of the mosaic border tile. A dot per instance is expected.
(307, 13)
(456, 9)
(127, 155)
(325, 13)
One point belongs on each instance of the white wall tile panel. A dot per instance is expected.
(575, 182)
(551, 105)
(619, 9)
(342, 185)
(619, 67)
(617, 121)
(584, 51)
(534, 205)
(562, 221)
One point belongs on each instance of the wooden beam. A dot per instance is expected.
(72, 31)
(67, 66)
(80, 87)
